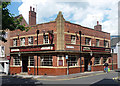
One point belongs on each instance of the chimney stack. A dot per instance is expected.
(98, 27)
(32, 16)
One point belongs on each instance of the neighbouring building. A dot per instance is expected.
(50, 47)
(5, 53)
(115, 45)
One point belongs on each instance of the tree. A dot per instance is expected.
(10, 22)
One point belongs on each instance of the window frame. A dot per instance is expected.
(30, 42)
(44, 59)
(31, 61)
(87, 41)
(98, 60)
(71, 62)
(97, 42)
(44, 39)
(14, 42)
(73, 39)
(22, 43)
(16, 61)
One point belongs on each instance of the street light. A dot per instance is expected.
(80, 50)
(37, 54)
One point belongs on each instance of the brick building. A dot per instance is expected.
(57, 45)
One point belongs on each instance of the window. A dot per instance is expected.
(31, 60)
(72, 60)
(2, 51)
(14, 42)
(97, 60)
(46, 39)
(30, 40)
(73, 39)
(104, 59)
(16, 60)
(87, 41)
(106, 44)
(46, 60)
(6, 34)
(97, 42)
(22, 41)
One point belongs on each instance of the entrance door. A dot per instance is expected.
(24, 64)
(86, 65)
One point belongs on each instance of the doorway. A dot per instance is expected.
(86, 65)
(24, 64)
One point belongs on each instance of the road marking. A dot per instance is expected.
(70, 78)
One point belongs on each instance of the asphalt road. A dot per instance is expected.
(91, 80)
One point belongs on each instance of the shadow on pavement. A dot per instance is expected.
(107, 82)
(18, 81)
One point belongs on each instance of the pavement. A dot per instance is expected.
(61, 77)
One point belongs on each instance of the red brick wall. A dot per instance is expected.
(14, 70)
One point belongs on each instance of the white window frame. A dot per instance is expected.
(97, 42)
(2, 51)
(16, 61)
(106, 44)
(88, 41)
(31, 60)
(14, 42)
(30, 40)
(73, 39)
(97, 60)
(71, 62)
(105, 59)
(46, 39)
(44, 60)
(22, 41)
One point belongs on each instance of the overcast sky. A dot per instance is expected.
(85, 13)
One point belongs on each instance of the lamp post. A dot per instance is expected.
(80, 50)
(112, 58)
(37, 54)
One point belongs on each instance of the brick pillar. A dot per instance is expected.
(78, 61)
(101, 60)
(38, 60)
(92, 67)
(35, 58)
(11, 61)
(54, 61)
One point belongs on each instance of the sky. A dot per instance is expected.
(82, 12)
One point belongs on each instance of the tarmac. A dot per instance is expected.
(60, 77)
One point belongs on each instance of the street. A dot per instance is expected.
(91, 80)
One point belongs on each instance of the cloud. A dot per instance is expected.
(85, 13)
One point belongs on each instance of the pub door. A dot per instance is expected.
(24, 64)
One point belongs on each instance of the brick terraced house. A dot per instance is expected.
(54, 48)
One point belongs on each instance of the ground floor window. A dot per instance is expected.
(73, 60)
(97, 60)
(16, 60)
(104, 59)
(31, 60)
(46, 60)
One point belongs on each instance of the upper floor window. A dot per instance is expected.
(45, 39)
(97, 42)
(22, 41)
(73, 39)
(14, 42)
(106, 44)
(87, 41)
(30, 40)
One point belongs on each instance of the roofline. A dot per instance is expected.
(86, 27)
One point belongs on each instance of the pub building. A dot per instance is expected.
(59, 47)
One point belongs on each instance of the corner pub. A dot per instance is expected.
(59, 47)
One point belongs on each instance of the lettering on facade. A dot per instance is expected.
(46, 48)
(69, 46)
